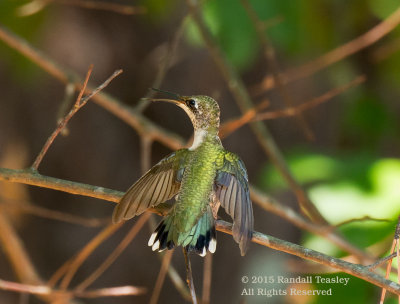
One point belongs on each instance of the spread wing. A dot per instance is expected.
(232, 191)
(158, 185)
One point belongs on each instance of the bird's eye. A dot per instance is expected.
(191, 103)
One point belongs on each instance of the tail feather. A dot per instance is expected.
(199, 239)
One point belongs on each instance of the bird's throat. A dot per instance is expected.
(198, 139)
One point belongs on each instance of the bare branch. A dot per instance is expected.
(115, 253)
(312, 103)
(189, 276)
(56, 215)
(361, 219)
(290, 215)
(356, 270)
(382, 261)
(253, 115)
(207, 275)
(63, 122)
(74, 264)
(262, 239)
(166, 261)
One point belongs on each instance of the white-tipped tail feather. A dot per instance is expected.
(199, 239)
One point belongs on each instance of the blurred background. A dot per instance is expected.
(347, 161)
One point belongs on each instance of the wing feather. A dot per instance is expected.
(232, 191)
(159, 184)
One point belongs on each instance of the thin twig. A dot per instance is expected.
(105, 6)
(269, 53)
(16, 253)
(179, 283)
(395, 245)
(230, 126)
(66, 105)
(359, 43)
(254, 115)
(207, 275)
(166, 261)
(388, 271)
(361, 219)
(78, 105)
(47, 291)
(19, 259)
(382, 261)
(110, 292)
(115, 253)
(74, 265)
(55, 215)
(312, 103)
(189, 276)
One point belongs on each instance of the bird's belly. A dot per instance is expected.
(194, 194)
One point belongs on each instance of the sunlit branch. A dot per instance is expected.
(260, 238)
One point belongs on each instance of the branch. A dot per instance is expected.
(80, 102)
(252, 115)
(54, 215)
(356, 270)
(115, 253)
(166, 261)
(33, 178)
(290, 215)
(259, 238)
(189, 276)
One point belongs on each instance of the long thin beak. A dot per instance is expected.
(178, 102)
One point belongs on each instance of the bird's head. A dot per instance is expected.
(203, 110)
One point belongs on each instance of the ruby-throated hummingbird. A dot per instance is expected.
(201, 178)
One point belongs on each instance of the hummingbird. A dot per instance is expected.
(201, 178)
